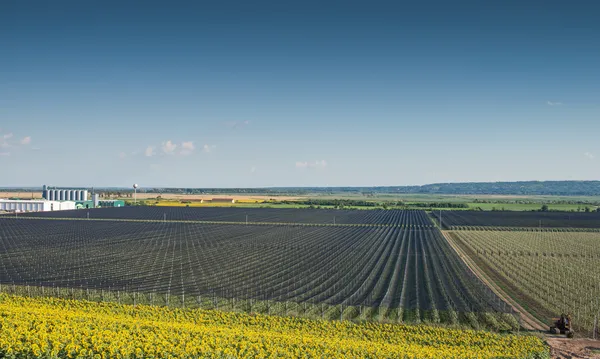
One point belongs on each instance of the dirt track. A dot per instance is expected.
(527, 320)
(563, 348)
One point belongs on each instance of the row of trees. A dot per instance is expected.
(586, 209)
(341, 203)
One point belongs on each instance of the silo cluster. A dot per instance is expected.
(65, 194)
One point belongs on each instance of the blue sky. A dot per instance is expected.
(311, 93)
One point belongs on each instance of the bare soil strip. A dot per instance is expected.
(528, 321)
(563, 348)
(170, 196)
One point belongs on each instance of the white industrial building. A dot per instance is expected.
(9, 205)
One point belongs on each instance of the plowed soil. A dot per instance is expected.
(563, 348)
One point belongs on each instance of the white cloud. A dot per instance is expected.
(149, 151)
(589, 155)
(7, 136)
(237, 124)
(122, 155)
(4, 153)
(551, 103)
(321, 163)
(253, 169)
(4, 145)
(315, 164)
(169, 147)
(26, 140)
(187, 148)
(208, 148)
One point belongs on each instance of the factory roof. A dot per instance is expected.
(29, 200)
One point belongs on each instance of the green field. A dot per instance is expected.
(529, 206)
(507, 206)
(462, 198)
(547, 273)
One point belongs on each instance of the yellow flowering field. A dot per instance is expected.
(60, 328)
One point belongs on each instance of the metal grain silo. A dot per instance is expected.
(85, 195)
(61, 195)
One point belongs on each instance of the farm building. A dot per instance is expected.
(34, 206)
(97, 203)
(111, 203)
(222, 200)
(84, 204)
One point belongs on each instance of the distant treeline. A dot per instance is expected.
(339, 203)
(332, 202)
(439, 205)
(539, 188)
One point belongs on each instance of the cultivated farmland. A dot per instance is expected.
(254, 215)
(547, 272)
(457, 219)
(54, 328)
(410, 273)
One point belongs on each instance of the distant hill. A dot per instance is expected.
(554, 188)
(540, 188)
(531, 188)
